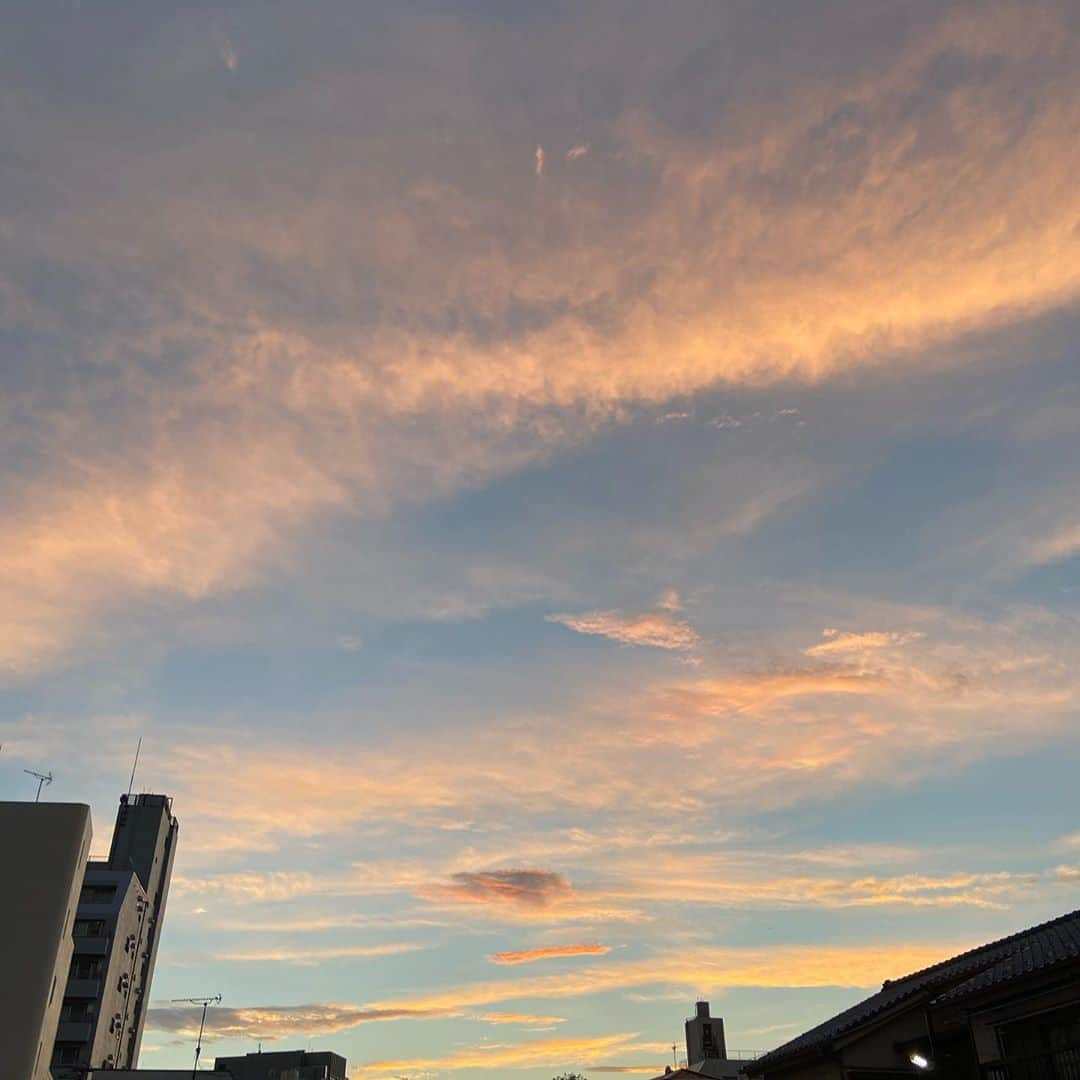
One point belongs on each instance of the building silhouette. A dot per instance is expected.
(284, 1065)
(1008, 1010)
(117, 930)
(276, 1065)
(43, 849)
(704, 1036)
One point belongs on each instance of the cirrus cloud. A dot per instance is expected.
(547, 952)
(658, 629)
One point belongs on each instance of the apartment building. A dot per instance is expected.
(117, 930)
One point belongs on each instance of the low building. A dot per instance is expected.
(284, 1065)
(1008, 1010)
(43, 849)
(153, 1074)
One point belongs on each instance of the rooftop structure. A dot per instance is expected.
(284, 1065)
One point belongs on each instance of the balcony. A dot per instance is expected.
(92, 946)
(1062, 1064)
(74, 1031)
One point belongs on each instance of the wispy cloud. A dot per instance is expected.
(521, 1019)
(225, 48)
(701, 970)
(838, 642)
(548, 952)
(658, 629)
(514, 888)
(305, 955)
(422, 385)
(270, 1022)
(559, 1053)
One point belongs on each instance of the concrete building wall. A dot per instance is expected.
(118, 929)
(43, 848)
(124, 914)
(144, 840)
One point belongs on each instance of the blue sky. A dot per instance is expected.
(580, 506)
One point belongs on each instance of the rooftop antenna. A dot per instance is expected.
(43, 779)
(134, 766)
(675, 1056)
(204, 1002)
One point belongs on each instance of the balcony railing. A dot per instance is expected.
(1063, 1064)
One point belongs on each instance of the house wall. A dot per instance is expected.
(829, 1069)
(877, 1049)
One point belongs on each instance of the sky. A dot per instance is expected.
(578, 501)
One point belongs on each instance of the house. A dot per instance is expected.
(1008, 1010)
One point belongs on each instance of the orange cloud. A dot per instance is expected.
(657, 628)
(889, 714)
(515, 888)
(548, 952)
(521, 1019)
(822, 236)
(270, 1022)
(700, 970)
(838, 642)
(307, 955)
(540, 1053)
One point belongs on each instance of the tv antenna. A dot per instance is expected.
(43, 779)
(204, 1002)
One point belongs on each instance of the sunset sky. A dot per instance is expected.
(580, 502)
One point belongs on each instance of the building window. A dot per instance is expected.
(86, 967)
(77, 1009)
(89, 928)
(97, 894)
(67, 1053)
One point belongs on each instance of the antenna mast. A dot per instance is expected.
(134, 766)
(204, 1002)
(43, 779)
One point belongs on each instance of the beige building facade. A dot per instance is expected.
(43, 852)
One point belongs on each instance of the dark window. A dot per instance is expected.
(97, 894)
(66, 1054)
(89, 928)
(77, 1009)
(86, 967)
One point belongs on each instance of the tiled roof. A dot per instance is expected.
(978, 969)
(1037, 949)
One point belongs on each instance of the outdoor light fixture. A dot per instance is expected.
(918, 1060)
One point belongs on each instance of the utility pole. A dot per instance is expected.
(204, 1002)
